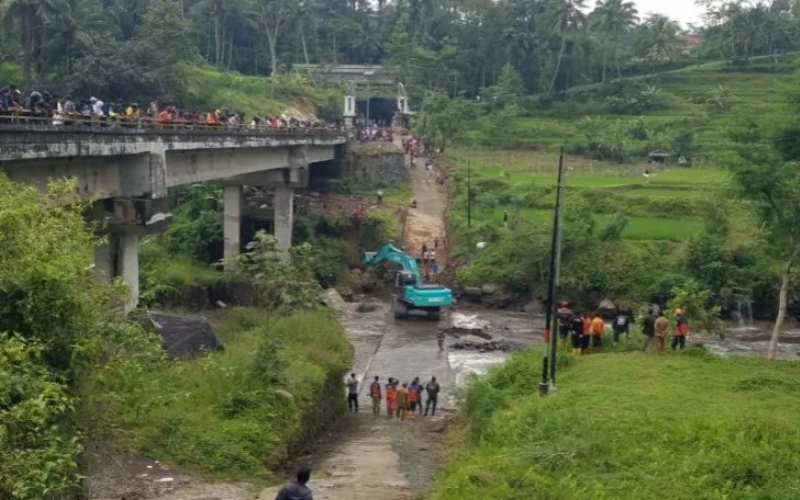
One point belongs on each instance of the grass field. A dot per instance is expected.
(663, 207)
(629, 426)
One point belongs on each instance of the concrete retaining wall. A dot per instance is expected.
(375, 164)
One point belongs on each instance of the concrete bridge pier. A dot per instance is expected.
(119, 257)
(124, 221)
(232, 220)
(284, 181)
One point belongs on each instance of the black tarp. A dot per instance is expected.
(185, 335)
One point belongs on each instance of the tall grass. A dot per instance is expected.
(235, 413)
(631, 426)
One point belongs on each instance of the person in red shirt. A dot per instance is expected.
(681, 330)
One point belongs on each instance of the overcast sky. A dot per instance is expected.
(684, 11)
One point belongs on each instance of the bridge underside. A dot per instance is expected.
(128, 177)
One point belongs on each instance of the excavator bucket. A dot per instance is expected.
(368, 256)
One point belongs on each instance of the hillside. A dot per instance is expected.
(707, 98)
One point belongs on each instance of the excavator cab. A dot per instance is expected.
(404, 279)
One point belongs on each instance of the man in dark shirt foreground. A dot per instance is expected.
(296, 490)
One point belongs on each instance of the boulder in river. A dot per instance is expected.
(534, 307)
(473, 291)
(367, 306)
(489, 289)
(607, 307)
(333, 299)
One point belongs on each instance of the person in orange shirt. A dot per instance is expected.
(391, 397)
(681, 330)
(598, 329)
(587, 331)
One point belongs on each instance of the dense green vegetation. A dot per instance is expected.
(626, 237)
(74, 369)
(181, 267)
(629, 426)
(237, 412)
(61, 332)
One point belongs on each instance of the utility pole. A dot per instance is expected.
(550, 327)
(469, 197)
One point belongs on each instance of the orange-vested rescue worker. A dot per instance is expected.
(576, 325)
(375, 394)
(587, 331)
(598, 329)
(402, 401)
(391, 397)
(681, 330)
(564, 315)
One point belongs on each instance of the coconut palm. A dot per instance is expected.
(567, 19)
(659, 39)
(613, 19)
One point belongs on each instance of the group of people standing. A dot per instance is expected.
(401, 400)
(586, 331)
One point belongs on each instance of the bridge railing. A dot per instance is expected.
(81, 123)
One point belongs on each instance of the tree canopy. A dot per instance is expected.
(129, 48)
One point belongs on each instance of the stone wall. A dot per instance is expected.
(375, 163)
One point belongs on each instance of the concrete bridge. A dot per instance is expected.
(128, 171)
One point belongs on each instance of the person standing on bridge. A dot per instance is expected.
(352, 393)
(432, 388)
(375, 394)
(297, 490)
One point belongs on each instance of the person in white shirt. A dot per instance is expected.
(97, 106)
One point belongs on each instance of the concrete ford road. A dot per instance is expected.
(129, 169)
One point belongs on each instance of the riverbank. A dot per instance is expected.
(236, 414)
(629, 426)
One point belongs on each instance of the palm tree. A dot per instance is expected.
(659, 39)
(613, 19)
(567, 19)
(28, 18)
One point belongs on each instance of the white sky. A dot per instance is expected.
(684, 11)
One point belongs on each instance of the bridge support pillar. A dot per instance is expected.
(284, 215)
(129, 266)
(232, 224)
(120, 258)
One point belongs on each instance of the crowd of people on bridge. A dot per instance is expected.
(44, 108)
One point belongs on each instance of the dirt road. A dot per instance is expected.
(426, 222)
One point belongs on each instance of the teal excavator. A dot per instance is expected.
(411, 294)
